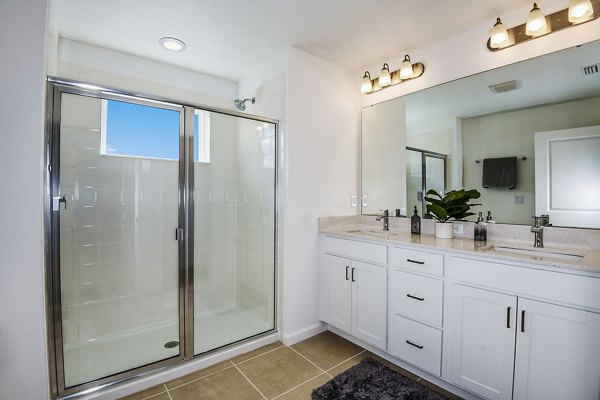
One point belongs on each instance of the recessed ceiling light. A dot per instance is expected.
(172, 44)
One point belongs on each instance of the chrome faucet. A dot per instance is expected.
(538, 229)
(386, 220)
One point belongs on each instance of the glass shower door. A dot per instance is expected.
(234, 229)
(116, 202)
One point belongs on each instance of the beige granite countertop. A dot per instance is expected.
(361, 227)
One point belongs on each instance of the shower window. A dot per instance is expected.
(137, 130)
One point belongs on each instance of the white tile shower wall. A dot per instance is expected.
(215, 222)
(118, 251)
(256, 218)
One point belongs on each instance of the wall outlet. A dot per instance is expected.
(458, 228)
(353, 201)
(519, 199)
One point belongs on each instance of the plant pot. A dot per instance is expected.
(444, 230)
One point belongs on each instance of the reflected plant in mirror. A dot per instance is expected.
(454, 205)
(535, 110)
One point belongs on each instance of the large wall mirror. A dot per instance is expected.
(544, 111)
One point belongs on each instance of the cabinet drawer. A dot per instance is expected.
(416, 297)
(421, 261)
(376, 253)
(425, 351)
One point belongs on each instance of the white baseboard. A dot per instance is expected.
(302, 334)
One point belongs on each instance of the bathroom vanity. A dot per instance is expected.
(498, 320)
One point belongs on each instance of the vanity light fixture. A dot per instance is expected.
(407, 71)
(171, 43)
(385, 79)
(580, 10)
(406, 68)
(498, 35)
(367, 85)
(538, 24)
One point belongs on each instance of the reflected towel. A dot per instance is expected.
(499, 172)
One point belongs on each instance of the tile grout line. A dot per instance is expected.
(346, 360)
(249, 381)
(202, 377)
(320, 369)
(324, 372)
(296, 387)
(151, 397)
(167, 389)
(256, 356)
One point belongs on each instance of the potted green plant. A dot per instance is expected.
(454, 205)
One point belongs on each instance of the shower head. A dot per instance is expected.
(241, 104)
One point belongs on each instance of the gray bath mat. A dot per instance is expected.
(369, 380)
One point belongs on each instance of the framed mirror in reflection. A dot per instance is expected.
(544, 111)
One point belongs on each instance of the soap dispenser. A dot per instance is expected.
(489, 219)
(415, 223)
(480, 231)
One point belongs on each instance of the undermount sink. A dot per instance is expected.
(535, 252)
(378, 234)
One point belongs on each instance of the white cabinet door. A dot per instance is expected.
(336, 292)
(369, 303)
(482, 341)
(558, 353)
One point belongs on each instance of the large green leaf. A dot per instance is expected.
(453, 205)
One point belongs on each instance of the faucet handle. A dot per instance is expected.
(386, 213)
(539, 221)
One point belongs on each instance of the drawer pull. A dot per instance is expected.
(413, 344)
(508, 317)
(347, 267)
(415, 261)
(415, 297)
(352, 275)
(523, 321)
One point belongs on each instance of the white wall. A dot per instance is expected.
(93, 64)
(23, 356)
(321, 149)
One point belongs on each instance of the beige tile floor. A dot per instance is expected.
(272, 372)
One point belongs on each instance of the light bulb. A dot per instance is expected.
(366, 86)
(536, 22)
(406, 69)
(385, 79)
(580, 10)
(498, 35)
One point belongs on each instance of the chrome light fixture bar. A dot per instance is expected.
(407, 71)
(538, 24)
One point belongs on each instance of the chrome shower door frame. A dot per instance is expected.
(55, 88)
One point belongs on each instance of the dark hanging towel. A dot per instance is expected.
(499, 172)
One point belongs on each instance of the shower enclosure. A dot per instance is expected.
(161, 232)
(425, 170)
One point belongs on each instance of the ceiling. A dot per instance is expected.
(552, 78)
(224, 37)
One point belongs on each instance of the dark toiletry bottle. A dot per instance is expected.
(489, 219)
(480, 231)
(415, 222)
